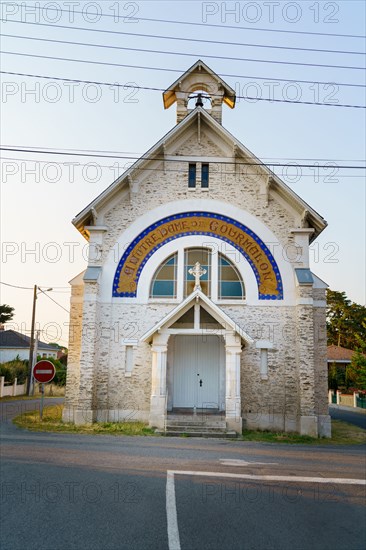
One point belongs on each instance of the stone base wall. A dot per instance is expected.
(266, 404)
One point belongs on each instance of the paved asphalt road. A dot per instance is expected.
(71, 491)
(358, 418)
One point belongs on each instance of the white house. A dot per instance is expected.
(13, 344)
(198, 294)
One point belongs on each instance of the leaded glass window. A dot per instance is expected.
(164, 283)
(203, 256)
(231, 285)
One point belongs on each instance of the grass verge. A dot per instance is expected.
(52, 422)
(343, 433)
(26, 397)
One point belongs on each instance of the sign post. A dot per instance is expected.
(43, 372)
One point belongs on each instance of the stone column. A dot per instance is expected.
(158, 402)
(73, 361)
(85, 412)
(232, 394)
(305, 347)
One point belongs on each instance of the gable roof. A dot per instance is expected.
(14, 339)
(169, 96)
(208, 305)
(337, 353)
(87, 215)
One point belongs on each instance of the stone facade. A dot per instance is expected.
(286, 390)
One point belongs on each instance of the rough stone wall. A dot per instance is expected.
(305, 350)
(320, 355)
(89, 344)
(270, 400)
(278, 393)
(73, 357)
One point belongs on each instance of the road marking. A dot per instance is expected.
(171, 513)
(171, 505)
(239, 462)
(295, 479)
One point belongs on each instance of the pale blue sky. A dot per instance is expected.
(41, 211)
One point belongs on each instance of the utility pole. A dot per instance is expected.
(31, 347)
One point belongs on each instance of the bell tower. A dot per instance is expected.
(203, 86)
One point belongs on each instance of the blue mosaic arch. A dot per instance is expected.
(155, 236)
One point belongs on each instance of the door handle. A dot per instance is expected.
(200, 383)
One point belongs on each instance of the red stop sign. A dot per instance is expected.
(44, 371)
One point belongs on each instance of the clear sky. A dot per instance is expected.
(41, 193)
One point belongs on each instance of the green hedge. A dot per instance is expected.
(14, 369)
(19, 369)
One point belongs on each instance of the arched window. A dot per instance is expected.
(231, 285)
(222, 280)
(164, 283)
(191, 256)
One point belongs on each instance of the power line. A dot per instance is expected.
(15, 286)
(174, 171)
(269, 78)
(127, 86)
(139, 153)
(236, 27)
(163, 159)
(186, 54)
(324, 66)
(30, 287)
(180, 38)
(45, 293)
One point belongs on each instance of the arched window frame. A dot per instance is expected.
(171, 262)
(215, 279)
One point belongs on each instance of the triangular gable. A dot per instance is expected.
(217, 313)
(169, 96)
(157, 153)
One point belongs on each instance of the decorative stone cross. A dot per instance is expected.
(197, 271)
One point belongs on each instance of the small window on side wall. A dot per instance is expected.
(192, 176)
(204, 176)
(128, 360)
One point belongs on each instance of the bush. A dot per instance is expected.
(14, 369)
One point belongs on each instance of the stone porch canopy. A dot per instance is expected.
(216, 323)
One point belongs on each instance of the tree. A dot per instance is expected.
(344, 320)
(6, 313)
(358, 363)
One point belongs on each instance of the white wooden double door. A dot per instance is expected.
(196, 371)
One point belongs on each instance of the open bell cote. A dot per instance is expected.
(202, 85)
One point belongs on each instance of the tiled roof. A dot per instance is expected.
(337, 353)
(13, 339)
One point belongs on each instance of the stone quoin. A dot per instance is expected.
(204, 310)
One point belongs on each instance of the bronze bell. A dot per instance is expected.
(199, 102)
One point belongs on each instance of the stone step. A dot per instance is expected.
(196, 418)
(222, 435)
(218, 424)
(190, 428)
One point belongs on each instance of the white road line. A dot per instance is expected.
(294, 479)
(171, 513)
(239, 462)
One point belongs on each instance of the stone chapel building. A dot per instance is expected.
(198, 294)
